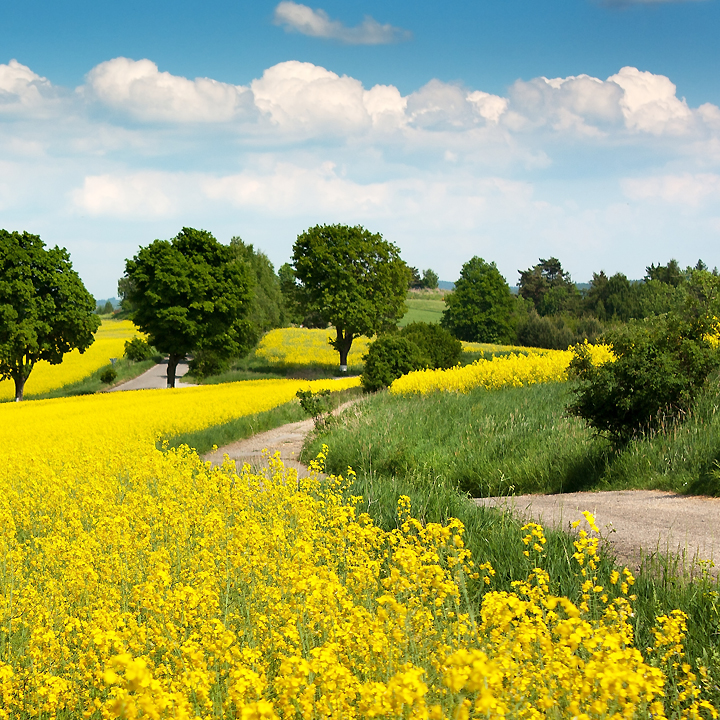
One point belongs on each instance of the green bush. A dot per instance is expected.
(389, 357)
(435, 342)
(661, 365)
(207, 363)
(109, 375)
(138, 350)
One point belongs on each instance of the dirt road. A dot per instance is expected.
(636, 522)
(632, 520)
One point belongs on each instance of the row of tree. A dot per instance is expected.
(194, 295)
(551, 311)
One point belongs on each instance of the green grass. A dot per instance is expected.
(126, 370)
(255, 368)
(495, 536)
(245, 427)
(423, 306)
(519, 440)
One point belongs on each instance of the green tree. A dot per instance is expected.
(480, 307)
(548, 287)
(670, 274)
(430, 279)
(351, 278)
(267, 308)
(415, 282)
(289, 291)
(190, 294)
(45, 310)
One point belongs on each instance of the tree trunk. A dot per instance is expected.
(19, 379)
(343, 343)
(173, 361)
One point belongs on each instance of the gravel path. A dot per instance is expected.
(632, 520)
(154, 378)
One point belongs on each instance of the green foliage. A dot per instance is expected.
(430, 279)
(207, 363)
(45, 310)
(289, 291)
(109, 375)
(191, 294)
(480, 308)
(388, 358)
(267, 307)
(556, 332)
(661, 365)
(138, 350)
(316, 405)
(549, 287)
(350, 278)
(436, 344)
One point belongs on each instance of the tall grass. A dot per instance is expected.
(520, 440)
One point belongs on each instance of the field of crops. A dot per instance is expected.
(109, 343)
(513, 370)
(303, 346)
(140, 583)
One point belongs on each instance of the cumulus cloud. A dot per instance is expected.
(22, 90)
(138, 88)
(295, 17)
(649, 102)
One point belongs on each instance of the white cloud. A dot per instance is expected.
(649, 103)
(140, 89)
(295, 17)
(305, 97)
(681, 189)
(23, 91)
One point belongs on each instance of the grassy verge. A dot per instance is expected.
(519, 440)
(495, 536)
(255, 368)
(126, 370)
(245, 427)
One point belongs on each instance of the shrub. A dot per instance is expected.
(316, 405)
(138, 350)
(208, 362)
(660, 367)
(435, 343)
(109, 375)
(389, 357)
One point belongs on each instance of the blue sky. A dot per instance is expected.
(585, 129)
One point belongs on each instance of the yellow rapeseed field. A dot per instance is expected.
(136, 583)
(109, 343)
(304, 346)
(514, 369)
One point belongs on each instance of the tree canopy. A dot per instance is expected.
(548, 286)
(190, 294)
(481, 305)
(351, 278)
(45, 310)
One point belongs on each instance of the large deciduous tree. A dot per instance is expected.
(480, 307)
(45, 310)
(190, 294)
(351, 278)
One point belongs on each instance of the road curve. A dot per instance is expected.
(636, 523)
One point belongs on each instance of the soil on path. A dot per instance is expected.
(287, 439)
(636, 523)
